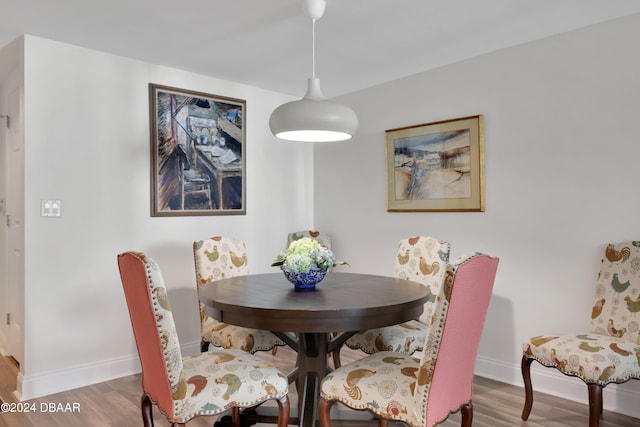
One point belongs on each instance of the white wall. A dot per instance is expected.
(87, 144)
(561, 156)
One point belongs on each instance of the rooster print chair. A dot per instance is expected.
(422, 259)
(187, 387)
(423, 392)
(610, 351)
(220, 258)
(323, 238)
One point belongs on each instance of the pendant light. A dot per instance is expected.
(312, 118)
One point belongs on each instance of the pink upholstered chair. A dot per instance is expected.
(187, 387)
(610, 351)
(421, 393)
(422, 259)
(218, 258)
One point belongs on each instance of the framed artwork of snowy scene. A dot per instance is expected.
(436, 167)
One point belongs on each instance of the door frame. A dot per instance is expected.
(13, 275)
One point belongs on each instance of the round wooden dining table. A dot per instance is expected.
(343, 302)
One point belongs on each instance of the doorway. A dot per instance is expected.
(12, 216)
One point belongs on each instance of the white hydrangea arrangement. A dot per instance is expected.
(304, 255)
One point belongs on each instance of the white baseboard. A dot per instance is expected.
(619, 398)
(44, 384)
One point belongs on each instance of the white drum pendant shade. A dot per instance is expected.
(313, 119)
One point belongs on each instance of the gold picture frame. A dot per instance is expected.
(198, 153)
(436, 167)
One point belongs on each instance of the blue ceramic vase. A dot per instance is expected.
(305, 281)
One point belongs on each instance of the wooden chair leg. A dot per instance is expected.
(284, 407)
(595, 404)
(467, 414)
(324, 413)
(274, 350)
(293, 376)
(335, 354)
(235, 416)
(601, 402)
(525, 367)
(147, 411)
(383, 422)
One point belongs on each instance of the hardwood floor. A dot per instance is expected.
(8, 372)
(116, 403)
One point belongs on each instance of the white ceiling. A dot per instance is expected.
(267, 43)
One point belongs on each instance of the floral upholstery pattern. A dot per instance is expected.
(322, 238)
(206, 384)
(219, 258)
(421, 259)
(397, 386)
(610, 352)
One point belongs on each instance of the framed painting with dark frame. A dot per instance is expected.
(197, 153)
(436, 167)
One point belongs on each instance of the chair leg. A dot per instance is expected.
(293, 376)
(525, 367)
(274, 350)
(595, 404)
(284, 407)
(336, 357)
(383, 422)
(147, 411)
(467, 414)
(324, 412)
(601, 402)
(235, 416)
(335, 354)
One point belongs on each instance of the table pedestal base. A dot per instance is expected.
(312, 366)
(269, 415)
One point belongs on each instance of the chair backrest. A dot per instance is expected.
(424, 260)
(153, 328)
(617, 299)
(322, 238)
(218, 258)
(445, 378)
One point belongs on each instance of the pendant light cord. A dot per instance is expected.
(313, 48)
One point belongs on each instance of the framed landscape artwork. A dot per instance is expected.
(197, 153)
(436, 166)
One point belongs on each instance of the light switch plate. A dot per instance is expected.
(50, 207)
